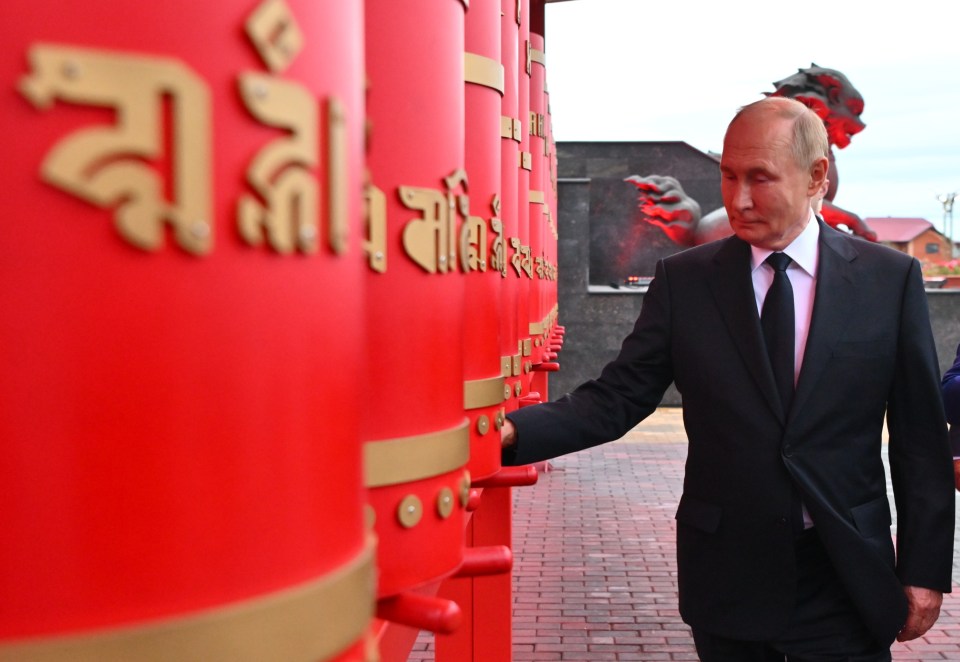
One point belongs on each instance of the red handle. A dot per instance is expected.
(546, 367)
(490, 560)
(423, 612)
(510, 477)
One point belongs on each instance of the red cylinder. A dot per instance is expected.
(510, 267)
(181, 464)
(483, 378)
(416, 433)
(522, 250)
(537, 197)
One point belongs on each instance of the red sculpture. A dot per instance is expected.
(831, 95)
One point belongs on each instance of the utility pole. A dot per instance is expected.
(946, 199)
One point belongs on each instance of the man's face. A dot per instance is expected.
(766, 194)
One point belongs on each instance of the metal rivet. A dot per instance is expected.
(260, 91)
(465, 489)
(518, 389)
(308, 234)
(483, 424)
(200, 229)
(378, 255)
(506, 392)
(71, 69)
(442, 259)
(410, 511)
(445, 502)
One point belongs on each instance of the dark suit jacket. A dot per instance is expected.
(869, 353)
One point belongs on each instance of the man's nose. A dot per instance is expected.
(742, 198)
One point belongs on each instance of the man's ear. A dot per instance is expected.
(818, 174)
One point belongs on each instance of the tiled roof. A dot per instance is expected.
(898, 229)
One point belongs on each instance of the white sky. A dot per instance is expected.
(677, 70)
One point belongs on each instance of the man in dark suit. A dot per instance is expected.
(783, 537)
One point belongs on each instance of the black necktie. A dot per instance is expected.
(777, 322)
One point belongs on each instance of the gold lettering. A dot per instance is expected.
(375, 213)
(105, 166)
(517, 259)
(280, 172)
(431, 240)
(338, 191)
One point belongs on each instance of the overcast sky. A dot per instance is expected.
(640, 70)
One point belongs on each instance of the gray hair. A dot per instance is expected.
(809, 141)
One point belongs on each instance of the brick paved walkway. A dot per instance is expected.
(595, 570)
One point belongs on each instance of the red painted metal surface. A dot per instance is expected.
(173, 439)
(522, 254)
(510, 337)
(482, 364)
(539, 181)
(181, 407)
(415, 310)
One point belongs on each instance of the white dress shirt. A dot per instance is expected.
(802, 273)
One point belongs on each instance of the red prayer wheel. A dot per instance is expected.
(483, 379)
(178, 403)
(537, 197)
(521, 254)
(511, 129)
(417, 439)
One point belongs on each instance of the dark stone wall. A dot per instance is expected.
(597, 321)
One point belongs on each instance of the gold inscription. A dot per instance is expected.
(431, 240)
(375, 214)
(281, 172)
(105, 166)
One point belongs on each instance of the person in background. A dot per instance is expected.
(790, 344)
(950, 389)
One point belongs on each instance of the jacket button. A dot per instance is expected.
(782, 521)
(787, 451)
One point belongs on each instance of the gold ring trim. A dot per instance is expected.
(407, 459)
(482, 392)
(481, 70)
(538, 56)
(312, 621)
(536, 196)
(536, 328)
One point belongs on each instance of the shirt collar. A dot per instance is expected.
(802, 250)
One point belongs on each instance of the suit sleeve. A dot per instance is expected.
(628, 390)
(920, 466)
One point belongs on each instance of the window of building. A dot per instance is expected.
(933, 247)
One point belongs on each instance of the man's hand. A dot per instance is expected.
(956, 473)
(508, 434)
(922, 611)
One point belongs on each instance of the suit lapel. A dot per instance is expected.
(835, 293)
(732, 289)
